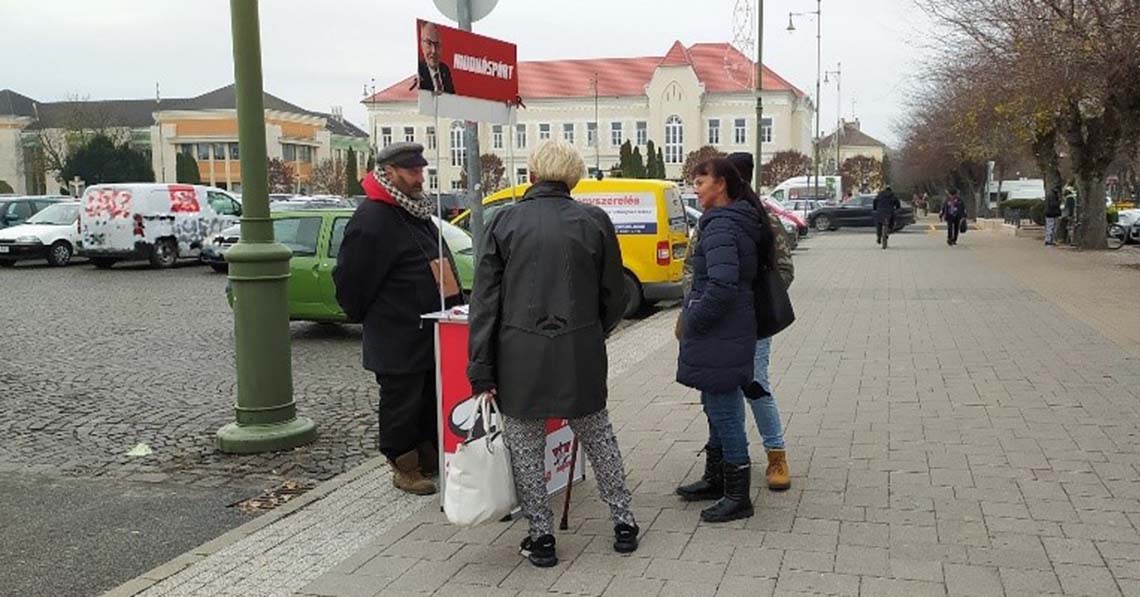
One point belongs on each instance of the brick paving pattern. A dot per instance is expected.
(953, 429)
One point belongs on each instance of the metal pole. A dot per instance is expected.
(838, 112)
(259, 272)
(474, 164)
(597, 132)
(818, 69)
(759, 85)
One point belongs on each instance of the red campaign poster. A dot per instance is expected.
(459, 62)
(457, 408)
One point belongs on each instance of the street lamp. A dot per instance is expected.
(818, 14)
(838, 72)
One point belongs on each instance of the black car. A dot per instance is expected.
(859, 212)
(16, 210)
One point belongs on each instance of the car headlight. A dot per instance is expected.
(29, 240)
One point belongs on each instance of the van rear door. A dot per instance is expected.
(677, 233)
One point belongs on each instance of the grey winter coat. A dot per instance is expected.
(548, 288)
(718, 339)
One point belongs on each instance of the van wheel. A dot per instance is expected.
(633, 299)
(59, 254)
(103, 262)
(164, 253)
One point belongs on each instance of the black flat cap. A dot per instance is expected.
(402, 155)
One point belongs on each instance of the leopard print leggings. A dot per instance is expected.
(526, 439)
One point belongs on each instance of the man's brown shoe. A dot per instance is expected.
(429, 458)
(407, 475)
(778, 478)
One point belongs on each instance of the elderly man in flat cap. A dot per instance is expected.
(389, 272)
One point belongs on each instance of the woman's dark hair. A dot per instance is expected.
(723, 169)
(737, 188)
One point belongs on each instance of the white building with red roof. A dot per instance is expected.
(688, 98)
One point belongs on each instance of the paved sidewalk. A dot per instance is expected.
(952, 430)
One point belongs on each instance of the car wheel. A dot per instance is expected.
(164, 253)
(221, 268)
(633, 298)
(59, 254)
(822, 223)
(103, 262)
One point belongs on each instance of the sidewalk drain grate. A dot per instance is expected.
(272, 498)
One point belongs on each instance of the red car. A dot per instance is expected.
(787, 214)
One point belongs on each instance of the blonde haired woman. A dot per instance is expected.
(548, 289)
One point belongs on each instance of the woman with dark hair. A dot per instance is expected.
(718, 338)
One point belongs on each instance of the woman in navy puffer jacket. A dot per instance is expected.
(718, 338)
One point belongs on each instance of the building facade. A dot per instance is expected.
(852, 142)
(204, 127)
(689, 98)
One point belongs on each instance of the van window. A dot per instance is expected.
(337, 236)
(488, 211)
(222, 204)
(299, 234)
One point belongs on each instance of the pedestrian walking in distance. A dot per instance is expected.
(718, 338)
(953, 211)
(387, 276)
(548, 290)
(1052, 214)
(885, 205)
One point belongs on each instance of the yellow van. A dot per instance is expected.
(651, 227)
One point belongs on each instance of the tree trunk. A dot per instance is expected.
(1049, 162)
(1094, 141)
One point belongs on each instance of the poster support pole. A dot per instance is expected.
(439, 210)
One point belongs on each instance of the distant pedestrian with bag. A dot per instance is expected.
(388, 274)
(1052, 213)
(953, 213)
(549, 288)
(718, 327)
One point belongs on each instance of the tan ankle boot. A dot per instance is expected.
(778, 477)
(407, 475)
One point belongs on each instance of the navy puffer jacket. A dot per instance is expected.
(718, 339)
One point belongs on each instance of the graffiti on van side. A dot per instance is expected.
(109, 203)
(183, 199)
(191, 230)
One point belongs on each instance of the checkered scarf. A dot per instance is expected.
(419, 206)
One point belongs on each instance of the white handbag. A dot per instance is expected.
(479, 484)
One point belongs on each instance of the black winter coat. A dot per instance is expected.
(718, 340)
(886, 203)
(549, 287)
(384, 280)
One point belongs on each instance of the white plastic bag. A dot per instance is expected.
(480, 486)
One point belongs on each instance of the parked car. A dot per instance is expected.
(1130, 219)
(161, 223)
(16, 209)
(649, 218)
(856, 213)
(785, 214)
(693, 215)
(49, 234)
(804, 207)
(315, 237)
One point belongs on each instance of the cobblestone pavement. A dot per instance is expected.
(94, 362)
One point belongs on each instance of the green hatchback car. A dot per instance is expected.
(315, 236)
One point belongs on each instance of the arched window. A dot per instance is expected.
(674, 140)
(458, 149)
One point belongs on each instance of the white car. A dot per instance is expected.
(51, 233)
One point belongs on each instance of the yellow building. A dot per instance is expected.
(204, 127)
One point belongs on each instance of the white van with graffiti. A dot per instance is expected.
(159, 223)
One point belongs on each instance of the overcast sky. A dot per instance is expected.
(321, 54)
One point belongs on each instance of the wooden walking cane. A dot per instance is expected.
(565, 524)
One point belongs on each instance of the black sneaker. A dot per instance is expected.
(539, 551)
(625, 538)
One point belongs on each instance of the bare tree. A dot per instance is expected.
(782, 166)
(328, 178)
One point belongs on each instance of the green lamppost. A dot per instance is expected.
(259, 272)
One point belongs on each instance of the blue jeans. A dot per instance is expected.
(725, 413)
(764, 409)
